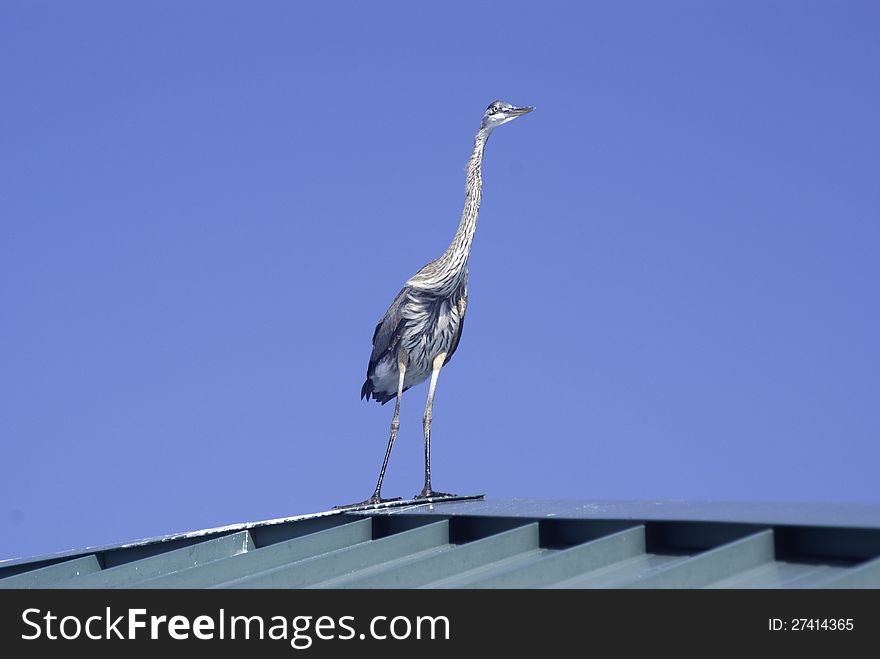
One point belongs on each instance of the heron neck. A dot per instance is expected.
(454, 260)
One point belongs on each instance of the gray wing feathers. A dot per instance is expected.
(386, 336)
(385, 339)
(462, 309)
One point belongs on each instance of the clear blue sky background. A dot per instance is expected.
(205, 207)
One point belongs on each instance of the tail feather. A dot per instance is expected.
(368, 392)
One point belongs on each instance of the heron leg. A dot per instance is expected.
(402, 362)
(427, 491)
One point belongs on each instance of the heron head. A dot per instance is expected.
(500, 112)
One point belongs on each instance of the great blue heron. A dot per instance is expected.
(420, 331)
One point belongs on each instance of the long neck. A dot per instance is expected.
(454, 260)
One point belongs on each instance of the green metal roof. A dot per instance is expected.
(496, 544)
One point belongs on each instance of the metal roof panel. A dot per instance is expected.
(486, 544)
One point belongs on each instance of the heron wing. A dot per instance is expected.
(387, 333)
(462, 308)
(385, 340)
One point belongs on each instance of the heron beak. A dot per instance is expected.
(518, 112)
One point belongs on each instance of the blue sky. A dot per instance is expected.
(206, 206)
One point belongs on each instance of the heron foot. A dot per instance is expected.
(374, 500)
(428, 493)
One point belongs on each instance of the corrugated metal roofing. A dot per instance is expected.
(488, 544)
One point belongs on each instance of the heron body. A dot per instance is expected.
(421, 330)
(425, 326)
